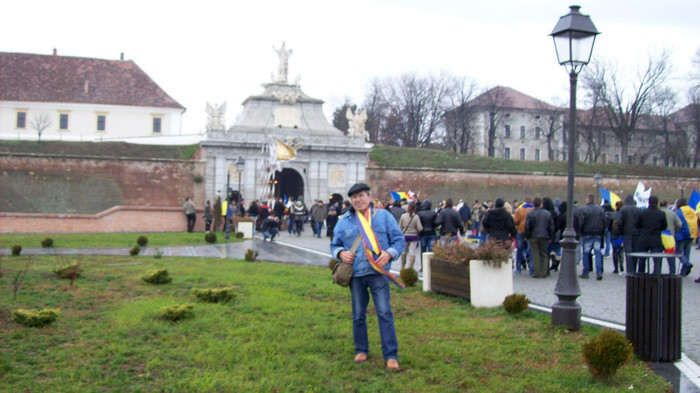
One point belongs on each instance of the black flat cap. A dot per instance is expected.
(357, 187)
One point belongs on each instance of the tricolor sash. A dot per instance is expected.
(371, 245)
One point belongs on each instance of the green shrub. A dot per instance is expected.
(135, 250)
(210, 237)
(47, 242)
(239, 235)
(37, 318)
(214, 295)
(142, 241)
(16, 250)
(158, 276)
(176, 313)
(158, 254)
(70, 270)
(606, 353)
(516, 303)
(409, 276)
(250, 255)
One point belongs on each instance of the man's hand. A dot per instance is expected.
(384, 258)
(347, 256)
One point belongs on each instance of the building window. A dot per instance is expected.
(506, 154)
(578, 156)
(522, 153)
(642, 140)
(63, 121)
(157, 124)
(604, 139)
(563, 134)
(21, 119)
(563, 156)
(655, 161)
(642, 160)
(617, 158)
(507, 132)
(522, 132)
(537, 132)
(537, 154)
(604, 158)
(101, 122)
(630, 159)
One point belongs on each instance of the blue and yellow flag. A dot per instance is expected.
(694, 200)
(609, 196)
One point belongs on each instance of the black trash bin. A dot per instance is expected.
(653, 320)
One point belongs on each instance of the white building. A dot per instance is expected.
(82, 99)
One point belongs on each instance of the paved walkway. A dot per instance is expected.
(603, 301)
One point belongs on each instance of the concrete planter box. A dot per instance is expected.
(247, 228)
(489, 285)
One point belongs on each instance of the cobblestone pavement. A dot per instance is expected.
(602, 300)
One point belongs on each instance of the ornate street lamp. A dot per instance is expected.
(240, 164)
(598, 180)
(574, 36)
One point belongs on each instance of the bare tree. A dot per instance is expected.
(459, 121)
(663, 105)
(493, 101)
(19, 276)
(340, 120)
(624, 104)
(39, 123)
(692, 118)
(550, 122)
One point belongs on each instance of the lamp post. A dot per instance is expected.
(574, 36)
(598, 180)
(240, 164)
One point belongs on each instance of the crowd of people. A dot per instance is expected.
(533, 228)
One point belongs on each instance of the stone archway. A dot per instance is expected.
(288, 183)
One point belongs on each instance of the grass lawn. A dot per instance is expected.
(288, 330)
(98, 240)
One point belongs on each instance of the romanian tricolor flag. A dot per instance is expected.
(669, 242)
(611, 196)
(372, 247)
(399, 195)
(694, 200)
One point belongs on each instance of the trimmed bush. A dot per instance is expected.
(157, 276)
(250, 255)
(176, 313)
(516, 303)
(37, 318)
(409, 276)
(239, 235)
(606, 353)
(214, 295)
(70, 270)
(16, 250)
(47, 242)
(142, 241)
(210, 237)
(135, 250)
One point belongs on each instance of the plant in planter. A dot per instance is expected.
(480, 274)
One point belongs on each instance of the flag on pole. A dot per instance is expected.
(399, 195)
(641, 196)
(610, 196)
(694, 200)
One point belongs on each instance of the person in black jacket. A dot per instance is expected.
(651, 222)
(591, 223)
(626, 223)
(539, 231)
(559, 226)
(449, 221)
(498, 224)
(427, 218)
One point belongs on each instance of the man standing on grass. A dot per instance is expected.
(369, 239)
(190, 213)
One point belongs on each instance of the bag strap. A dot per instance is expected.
(409, 224)
(356, 243)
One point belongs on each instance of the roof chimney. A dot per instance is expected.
(121, 56)
(87, 87)
(55, 52)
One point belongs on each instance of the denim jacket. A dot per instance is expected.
(385, 228)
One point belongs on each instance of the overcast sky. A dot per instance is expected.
(214, 51)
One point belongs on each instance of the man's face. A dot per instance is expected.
(360, 200)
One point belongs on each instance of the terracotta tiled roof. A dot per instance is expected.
(511, 98)
(47, 78)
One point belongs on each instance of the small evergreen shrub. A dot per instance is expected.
(176, 313)
(210, 237)
(606, 353)
(409, 276)
(250, 255)
(47, 242)
(239, 235)
(16, 250)
(37, 318)
(158, 254)
(142, 241)
(135, 250)
(214, 295)
(70, 270)
(516, 303)
(157, 276)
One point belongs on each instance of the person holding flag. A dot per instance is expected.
(380, 241)
(687, 234)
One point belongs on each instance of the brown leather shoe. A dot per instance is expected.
(360, 357)
(393, 364)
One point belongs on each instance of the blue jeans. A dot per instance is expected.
(290, 225)
(608, 241)
(319, 228)
(378, 285)
(522, 252)
(271, 234)
(682, 247)
(426, 243)
(588, 243)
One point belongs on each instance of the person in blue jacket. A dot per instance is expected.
(366, 279)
